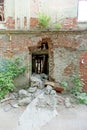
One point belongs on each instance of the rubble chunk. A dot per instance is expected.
(32, 89)
(23, 93)
(25, 101)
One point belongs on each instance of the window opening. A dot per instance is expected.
(1, 10)
(82, 9)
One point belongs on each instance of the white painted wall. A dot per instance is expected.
(18, 9)
(22, 9)
(9, 7)
(59, 8)
(34, 8)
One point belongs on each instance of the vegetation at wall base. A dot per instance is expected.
(8, 71)
(80, 96)
(64, 84)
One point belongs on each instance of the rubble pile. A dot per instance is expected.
(42, 100)
(40, 84)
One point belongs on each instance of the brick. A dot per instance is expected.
(33, 22)
(69, 23)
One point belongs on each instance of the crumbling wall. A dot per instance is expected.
(67, 51)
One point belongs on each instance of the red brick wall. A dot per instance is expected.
(67, 23)
(83, 69)
(10, 23)
(18, 43)
(33, 22)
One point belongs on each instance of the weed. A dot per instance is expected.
(57, 26)
(81, 97)
(77, 84)
(64, 85)
(43, 20)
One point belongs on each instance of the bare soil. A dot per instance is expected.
(9, 116)
(69, 119)
(74, 118)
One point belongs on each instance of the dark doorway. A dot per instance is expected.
(40, 63)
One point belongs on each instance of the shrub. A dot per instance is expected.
(43, 20)
(81, 98)
(8, 71)
(77, 84)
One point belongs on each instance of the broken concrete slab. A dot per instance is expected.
(34, 117)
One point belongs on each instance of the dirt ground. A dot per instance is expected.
(74, 118)
(9, 116)
(69, 119)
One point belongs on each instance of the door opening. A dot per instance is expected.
(40, 63)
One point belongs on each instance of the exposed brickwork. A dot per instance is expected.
(33, 22)
(69, 23)
(64, 40)
(83, 69)
(65, 47)
(10, 23)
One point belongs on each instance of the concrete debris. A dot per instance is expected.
(38, 92)
(34, 117)
(36, 82)
(25, 101)
(44, 76)
(53, 92)
(47, 101)
(51, 98)
(37, 76)
(67, 103)
(32, 89)
(48, 89)
(14, 95)
(23, 93)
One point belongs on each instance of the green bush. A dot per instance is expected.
(43, 20)
(77, 90)
(8, 71)
(81, 98)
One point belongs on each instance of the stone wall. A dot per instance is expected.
(67, 51)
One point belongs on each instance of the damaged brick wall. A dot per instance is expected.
(67, 51)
